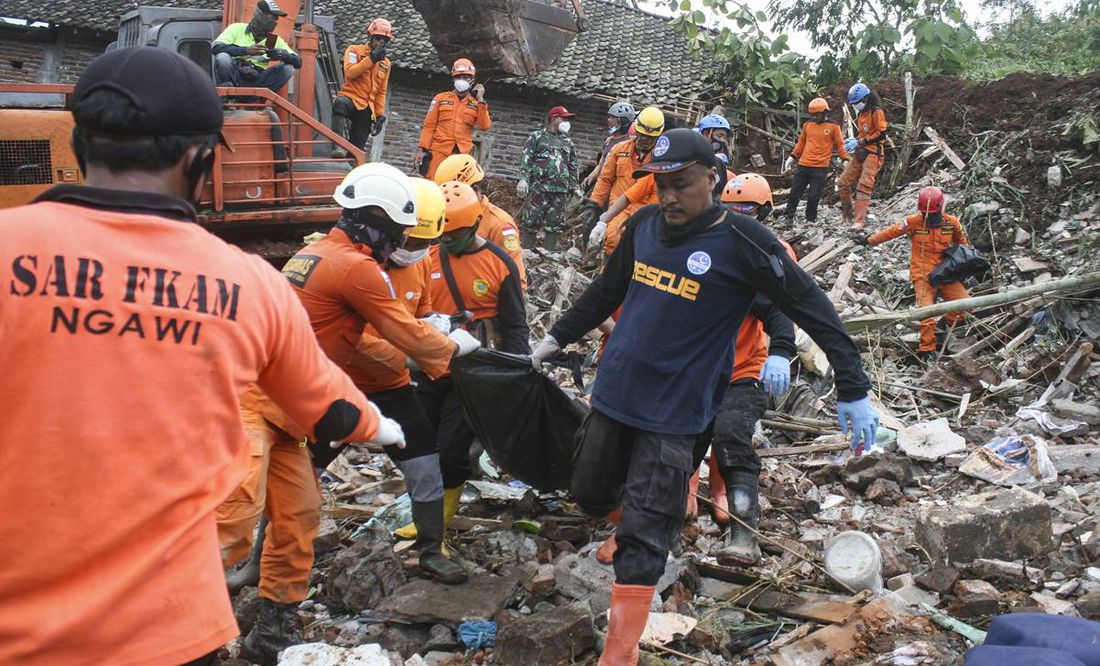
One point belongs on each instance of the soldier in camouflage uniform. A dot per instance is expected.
(549, 170)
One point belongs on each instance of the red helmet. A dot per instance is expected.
(380, 26)
(930, 200)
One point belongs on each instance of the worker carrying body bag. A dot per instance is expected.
(523, 419)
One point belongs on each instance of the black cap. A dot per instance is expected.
(171, 94)
(270, 7)
(677, 149)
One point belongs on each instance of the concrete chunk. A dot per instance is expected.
(930, 440)
(1078, 411)
(1007, 523)
(547, 638)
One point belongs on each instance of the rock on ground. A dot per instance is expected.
(858, 473)
(363, 575)
(427, 602)
(321, 654)
(547, 638)
(1007, 523)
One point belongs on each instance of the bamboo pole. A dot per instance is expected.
(1065, 285)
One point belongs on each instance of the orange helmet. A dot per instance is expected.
(748, 188)
(463, 66)
(818, 105)
(380, 26)
(461, 167)
(464, 207)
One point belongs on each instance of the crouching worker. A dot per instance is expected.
(930, 232)
(685, 273)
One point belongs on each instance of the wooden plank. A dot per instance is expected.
(803, 606)
(944, 148)
(836, 294)
(817, 252)
(812, 268)
(827, 644)
(778, 451)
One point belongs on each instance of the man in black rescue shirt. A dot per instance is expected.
(685, 274)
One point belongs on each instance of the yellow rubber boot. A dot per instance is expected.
(451, 498)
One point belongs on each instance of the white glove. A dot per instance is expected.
(521, 188)
(389, 432)
(547, 348)
(439, 322)
(598, 231)
(788, 164)
(466, 342)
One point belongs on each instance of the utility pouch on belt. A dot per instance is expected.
(425, 163)
(861, 153)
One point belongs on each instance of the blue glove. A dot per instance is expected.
(851, 144)
(864, 420)
(776, 375)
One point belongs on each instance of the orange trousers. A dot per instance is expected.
(861, 174)
(439, 153)
(282, 485)
(926, 295)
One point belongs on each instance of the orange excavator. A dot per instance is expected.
(275, 177)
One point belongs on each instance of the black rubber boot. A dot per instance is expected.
(276, 629)
(249, 574)
(742, 492)
(428, 518)
(341, 125)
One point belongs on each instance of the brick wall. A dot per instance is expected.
(516, 112)
(47, 55)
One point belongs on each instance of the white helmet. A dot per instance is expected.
(379, 184)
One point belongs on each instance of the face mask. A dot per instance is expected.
(719, 147)
(403, 257)
(460, 243)
(933, 220)
(858, 106)
(564, 127)
(462, 85)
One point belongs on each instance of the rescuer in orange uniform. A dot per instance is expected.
(497, 226)
(451, 118)
(137, 331)
(380, 370)
(867, 151)
(930, 232)
(616, 177)
(469, 274)
(814, 151)
(360, 107)
(340, 281)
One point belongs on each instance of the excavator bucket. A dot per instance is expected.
(504, 38)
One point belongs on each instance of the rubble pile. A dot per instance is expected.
(981, 496)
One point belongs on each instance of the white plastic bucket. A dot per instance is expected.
(853, 558)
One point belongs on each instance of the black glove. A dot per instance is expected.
(591, 214)
(378, 53)
(378, 123)
(862, 239)
(276, 54)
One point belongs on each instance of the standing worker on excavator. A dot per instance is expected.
(549, 169)
(685, 274)
(930, 232)
(497, 226)
(340, 281)
(616, 177)
(814, 151)
(868, 152)
(451, 118)
(245, 54)
(129, 333)
(469, 274)
(360, 107)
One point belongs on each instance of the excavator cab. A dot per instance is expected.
(506, 38)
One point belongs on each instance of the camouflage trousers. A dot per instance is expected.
(545, 211)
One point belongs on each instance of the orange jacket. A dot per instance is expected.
(870, 124)
(450, 122)
(616, 173)
(365, 81)
(927, 244)
(343, 288)
(488, 283)
(498, 227)
(816, 143)
(128, 337)
(641, 192)
(376, 365)
(751, 347)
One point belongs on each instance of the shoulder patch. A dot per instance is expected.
(299, 268)
(511, 243)
(481, 287)
(352, 57)
(904, 224)
(389, 284)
